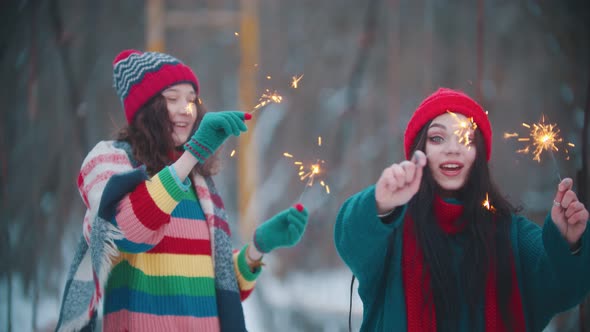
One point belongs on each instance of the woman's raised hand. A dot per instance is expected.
(399, 183)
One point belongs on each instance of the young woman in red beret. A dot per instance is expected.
(156, 250)
(429, 257)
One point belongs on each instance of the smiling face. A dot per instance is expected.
(180, 101)
(449, 160)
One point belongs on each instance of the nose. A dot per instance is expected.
(453, 145)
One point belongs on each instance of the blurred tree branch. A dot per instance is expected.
(40, 148)
(346, 131)
(76, 85)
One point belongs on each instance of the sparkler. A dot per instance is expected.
(267, 98)
(309, 172)
(465, 129)
(190, 108)
(541, 137)
(487, 205)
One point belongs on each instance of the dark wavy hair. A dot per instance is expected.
(485, 243)
(150, 136)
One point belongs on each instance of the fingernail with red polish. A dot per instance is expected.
(299, 207)
(247, 116)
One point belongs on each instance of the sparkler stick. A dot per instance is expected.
(309, 174)
(315, 170)
(267, 98)
(542, 137)
(555, 165)
(264, 100)
(273, 96)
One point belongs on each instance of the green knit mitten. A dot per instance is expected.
(214, 129)
(285, 229)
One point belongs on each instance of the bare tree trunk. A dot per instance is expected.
(35, 303)
(9, 301)
(73, 85)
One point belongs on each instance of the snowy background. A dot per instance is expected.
(366, 66)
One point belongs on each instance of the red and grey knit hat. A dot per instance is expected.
(444, 100)
(139, 76)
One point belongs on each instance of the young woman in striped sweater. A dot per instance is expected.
(429, 257)
(156, 247)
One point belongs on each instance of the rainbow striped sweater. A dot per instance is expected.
(164, 276)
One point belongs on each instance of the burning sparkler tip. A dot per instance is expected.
(541, 137)
(189, 109)
(487, 205)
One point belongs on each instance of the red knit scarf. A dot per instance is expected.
(419, 304)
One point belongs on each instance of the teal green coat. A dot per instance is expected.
(550, 278)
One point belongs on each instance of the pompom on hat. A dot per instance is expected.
(139, 76)
(438, 103)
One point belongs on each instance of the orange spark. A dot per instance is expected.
(486, 204)
(295, 81)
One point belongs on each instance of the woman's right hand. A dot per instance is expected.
(213, 130)
(399, 183)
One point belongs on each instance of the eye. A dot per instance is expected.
(436, 139)
(171, 99)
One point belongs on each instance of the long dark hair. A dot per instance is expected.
(486, 243)
(150, 136)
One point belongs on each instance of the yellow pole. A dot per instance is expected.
(247, 151)
(155, 26)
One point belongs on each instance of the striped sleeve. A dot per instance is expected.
(246, 278)
(138, 207)
(101, 163)
(143, 214)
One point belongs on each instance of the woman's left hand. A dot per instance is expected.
(568, 213)
(285, 229)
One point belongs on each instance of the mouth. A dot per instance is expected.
(451, 168)
(182, 125)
